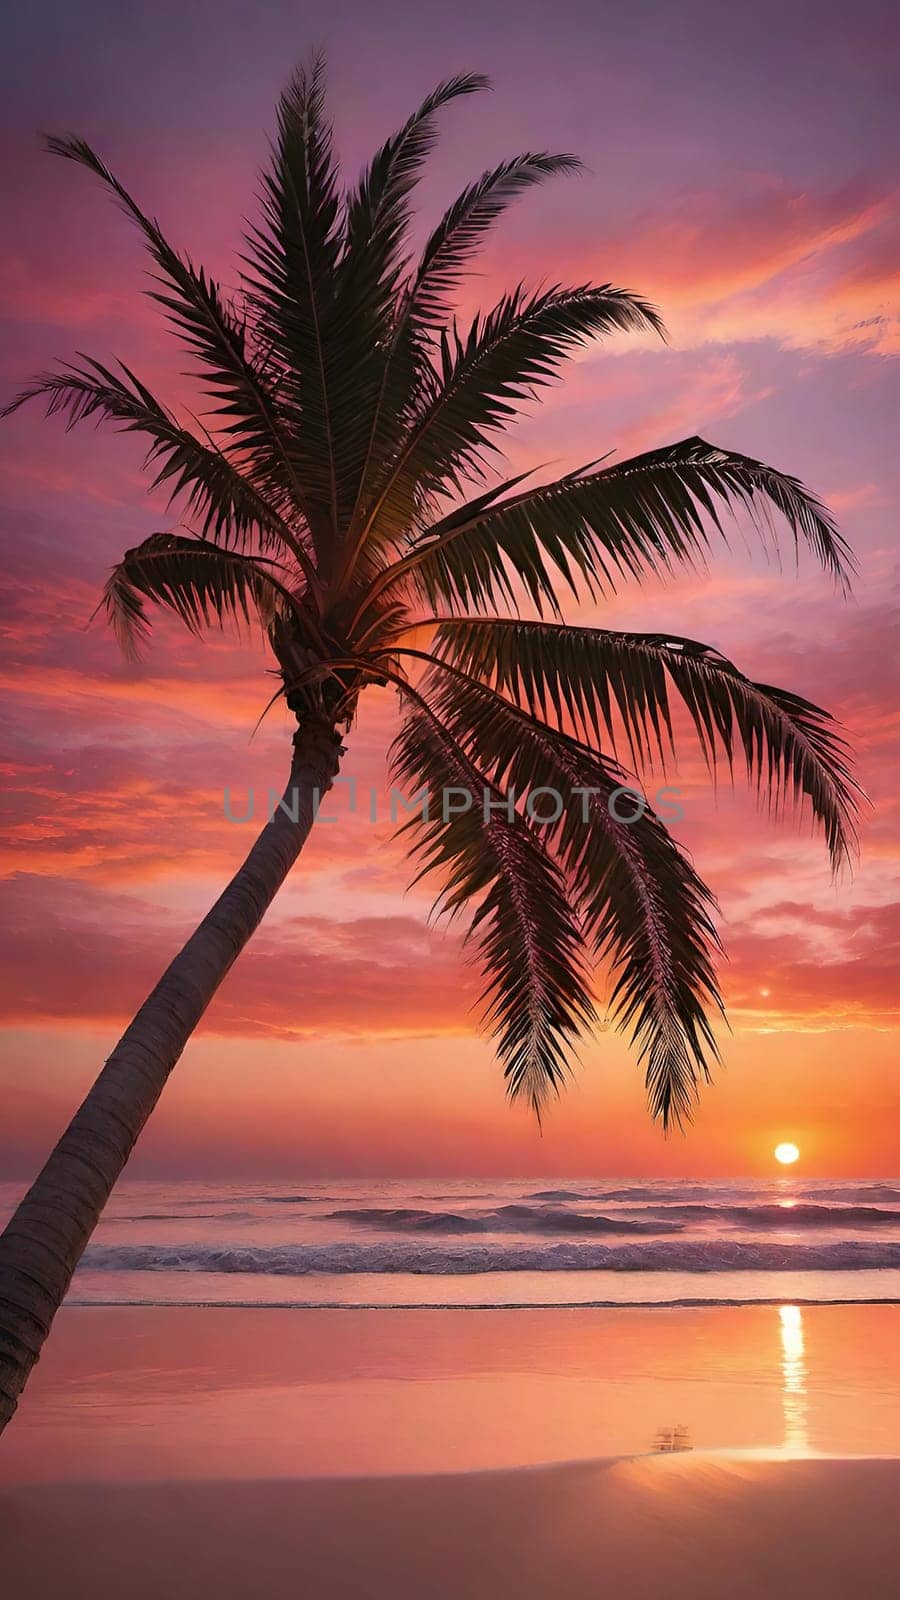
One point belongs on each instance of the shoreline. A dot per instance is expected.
(699, 1304)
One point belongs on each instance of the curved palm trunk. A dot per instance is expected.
(43, 1241)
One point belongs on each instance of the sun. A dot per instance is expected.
(787, 1154)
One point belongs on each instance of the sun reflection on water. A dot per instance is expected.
(793, 1380)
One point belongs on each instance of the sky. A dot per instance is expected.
(740, 172)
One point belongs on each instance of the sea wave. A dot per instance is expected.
(853, 1191)
(781, 1215)
(296, 1260)
(509, 1219)
(653, 1218)
(176, 1216)
(660, 1193)
(639, 1195)
(401, 1219)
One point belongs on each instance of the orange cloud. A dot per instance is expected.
(760, 258)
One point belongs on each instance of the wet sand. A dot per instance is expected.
(161, 1393)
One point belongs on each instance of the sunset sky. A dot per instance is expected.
(741, 172)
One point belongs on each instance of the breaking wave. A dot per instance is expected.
(710, 1255)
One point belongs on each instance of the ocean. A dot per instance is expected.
(526, 1243)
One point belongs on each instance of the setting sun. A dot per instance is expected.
(787, 1154)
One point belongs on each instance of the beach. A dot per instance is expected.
(670, 1525)
(464, 1390)
(193, 1451)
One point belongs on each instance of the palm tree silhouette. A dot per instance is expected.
(350, 415)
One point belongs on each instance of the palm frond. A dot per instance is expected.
(425, 305)
(641, 904)
(372, 370)
(216, 334)
(293, 260)
(484, 377)
(528, 942)
(595, 680)
(463, 227)
(232, 511)
(377, 210)
(650, 514)
(201, 583)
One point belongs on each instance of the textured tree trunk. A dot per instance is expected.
(43, 1241)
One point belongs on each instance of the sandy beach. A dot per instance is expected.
(742, 1451)
(639, 1528)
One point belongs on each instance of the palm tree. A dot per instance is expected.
(349, 416)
